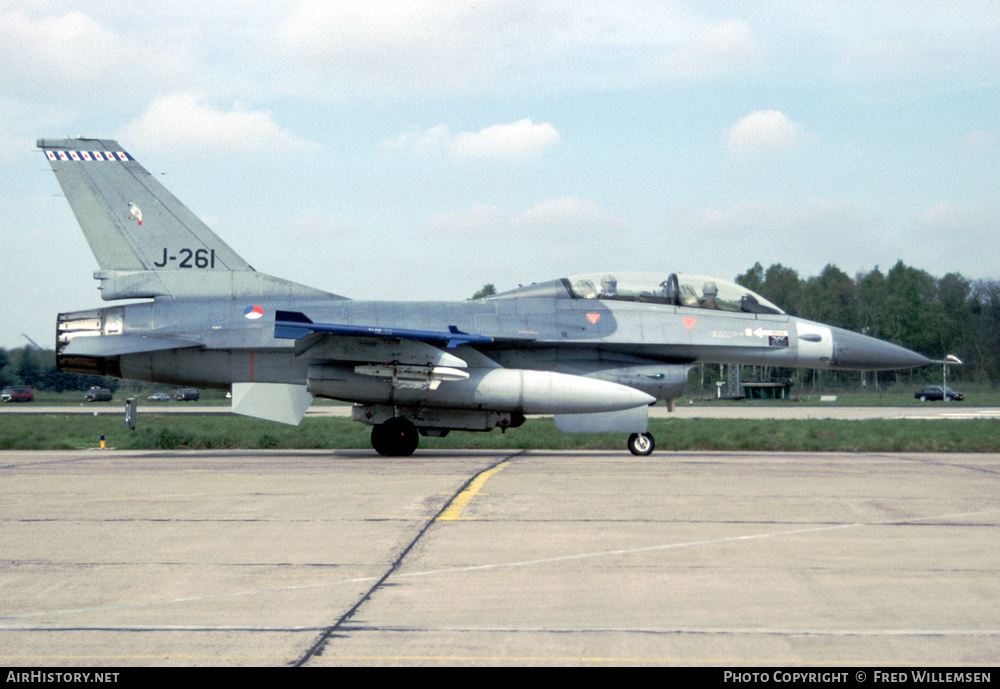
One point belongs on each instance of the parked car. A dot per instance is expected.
(935, 392)
(17, 394)
(159, 397)
(96, 394)
(186, 395)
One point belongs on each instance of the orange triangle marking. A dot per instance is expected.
(593, 317)
(689, 322)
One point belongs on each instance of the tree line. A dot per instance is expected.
(906, 306)
(37, 369)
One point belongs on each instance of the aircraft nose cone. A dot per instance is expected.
(854, 351)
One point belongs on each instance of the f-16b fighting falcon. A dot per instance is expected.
(593, 350)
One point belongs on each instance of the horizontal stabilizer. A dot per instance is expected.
(634, 420)
(117, 345)
(279, 402)
(293, 325)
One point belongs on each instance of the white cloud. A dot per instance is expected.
(517, 141)
(786, 233)
(563, 235)
(57, 51)
(311, 225)
(973, 228)
(882, 59)
(421, 140)
(562, 218)
(568, 217)
(763, 132)
(957, 238)
(716, 50)
(428, 46)
(12, 147)
(479, 220)
(392, 48)
(981, 139)
(813, 216)
(185, 121)
(348, 46)
(80, 59)
(553, 238)
(943, 237)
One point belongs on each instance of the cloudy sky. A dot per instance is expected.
(419, 149)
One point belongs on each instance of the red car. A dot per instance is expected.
(17, 394)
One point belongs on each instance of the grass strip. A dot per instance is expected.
(171, 432)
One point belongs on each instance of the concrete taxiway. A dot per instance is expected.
(543, 557)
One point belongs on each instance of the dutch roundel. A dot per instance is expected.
(253, 312)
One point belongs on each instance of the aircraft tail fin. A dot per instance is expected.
(130, 220)
(147, 243)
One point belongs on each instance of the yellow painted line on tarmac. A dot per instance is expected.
(454, 510)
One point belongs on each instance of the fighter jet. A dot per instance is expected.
(593, 350)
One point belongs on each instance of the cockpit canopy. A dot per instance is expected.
(674, 290)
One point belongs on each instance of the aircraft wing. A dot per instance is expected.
(416, 363)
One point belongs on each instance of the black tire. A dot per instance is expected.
(397, 437)
(641, 444)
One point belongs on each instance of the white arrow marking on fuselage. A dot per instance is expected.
(760, 332)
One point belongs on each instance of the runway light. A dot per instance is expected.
(950, 359)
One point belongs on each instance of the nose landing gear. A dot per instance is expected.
(641, 444)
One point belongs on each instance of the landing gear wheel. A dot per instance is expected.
(397, 437)
(641, 444)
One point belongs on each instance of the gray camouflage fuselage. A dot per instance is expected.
(544, 330)
(564, 347)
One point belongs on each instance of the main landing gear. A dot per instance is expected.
(641, 444)
(397, 437)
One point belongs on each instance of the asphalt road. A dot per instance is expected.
(291, 558)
